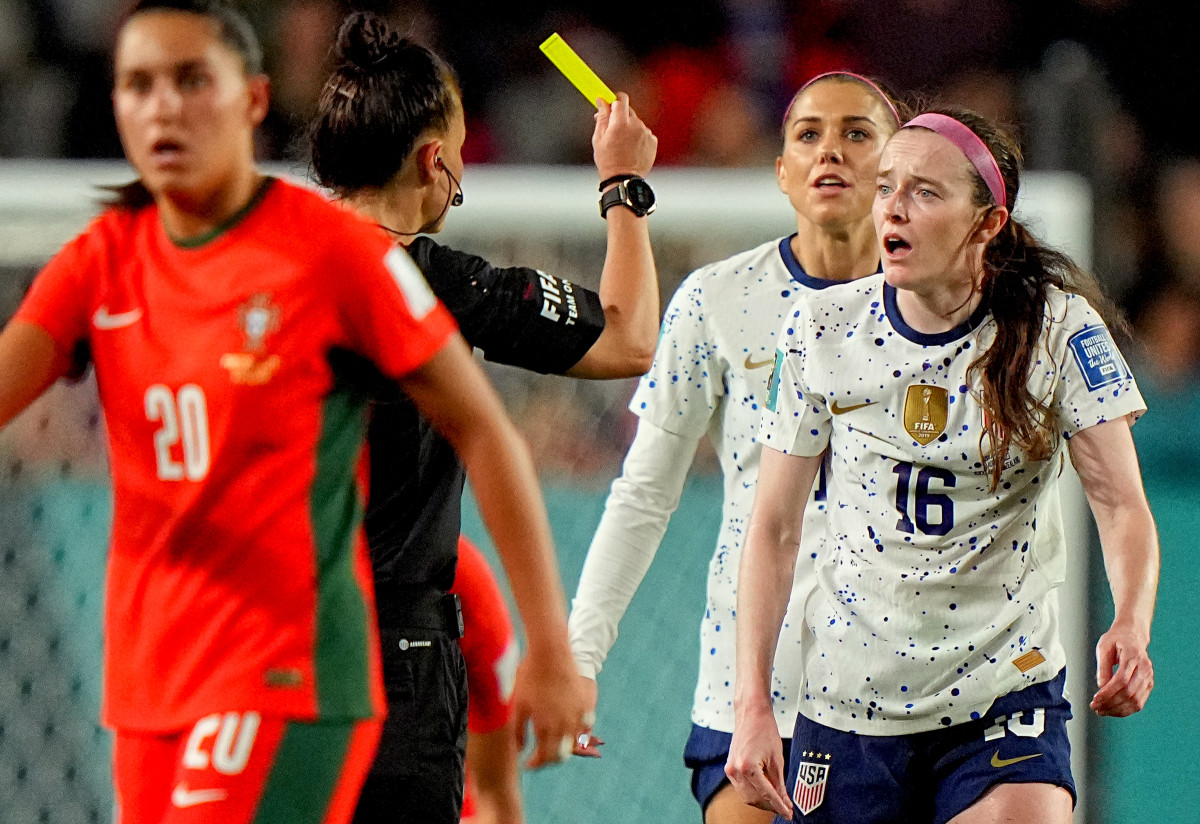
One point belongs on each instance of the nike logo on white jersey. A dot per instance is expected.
(842, 410)
(103, 320)
(181, 796)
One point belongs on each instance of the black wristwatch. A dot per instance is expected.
(634, 193)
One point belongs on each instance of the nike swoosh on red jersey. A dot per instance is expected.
(181, 796)
(103, 320)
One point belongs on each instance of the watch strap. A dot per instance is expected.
(622, 178)
(615, 196)
(634, 194)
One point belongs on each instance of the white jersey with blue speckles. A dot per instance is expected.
(710, 375)
(935, 595)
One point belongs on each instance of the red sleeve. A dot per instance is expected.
(488, 643)
(390, 313)
(60, 299)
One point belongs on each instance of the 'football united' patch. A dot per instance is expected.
(810, 786)
(1097, 356)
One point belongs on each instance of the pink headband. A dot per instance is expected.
(969, 144)
(891, 106)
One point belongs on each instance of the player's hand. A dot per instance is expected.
(622, 143)
(1124, 673)
(587, 743)
(755, 763)
(548, 693)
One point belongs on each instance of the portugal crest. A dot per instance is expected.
(810, 784)
(258, 318)
(925, 410)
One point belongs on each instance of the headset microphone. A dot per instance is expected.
(457, 199)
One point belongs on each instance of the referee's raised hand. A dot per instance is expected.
(622, 144)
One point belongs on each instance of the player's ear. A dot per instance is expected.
(429, 161)
(258, 90)
(991, 224)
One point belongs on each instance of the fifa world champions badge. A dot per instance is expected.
(926, 409)
(811, 778)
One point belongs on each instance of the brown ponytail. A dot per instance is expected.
(1019, 273)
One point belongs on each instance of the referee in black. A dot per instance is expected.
(387, 139)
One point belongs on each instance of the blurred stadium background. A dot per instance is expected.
(1092, 87)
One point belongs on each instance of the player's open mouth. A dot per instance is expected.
(895, 245)
(166, 150)
(830, 181)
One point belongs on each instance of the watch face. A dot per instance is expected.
(640, 195)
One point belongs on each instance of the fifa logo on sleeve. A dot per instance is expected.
(926, 409)
(811, 778)
(558, 299)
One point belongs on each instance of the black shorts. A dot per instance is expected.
(418, 773)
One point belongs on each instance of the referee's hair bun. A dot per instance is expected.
(366, 42)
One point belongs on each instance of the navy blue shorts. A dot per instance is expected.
(705, 755)
(930, 777)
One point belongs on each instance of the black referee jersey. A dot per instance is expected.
(518, 316)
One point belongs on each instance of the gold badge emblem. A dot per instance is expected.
(258, 318)
(925, 410)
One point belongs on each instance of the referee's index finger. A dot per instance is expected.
(620, 106)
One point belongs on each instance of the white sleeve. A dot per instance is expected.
(635, 518)
(794, 420)
(1095, 382)
(684, 386)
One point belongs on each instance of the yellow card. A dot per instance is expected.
(578, 72)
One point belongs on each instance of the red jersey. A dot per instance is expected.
(238, 577)
(489, 647)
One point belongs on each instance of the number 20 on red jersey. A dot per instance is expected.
(183, 419)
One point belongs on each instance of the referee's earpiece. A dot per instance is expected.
(457, 198)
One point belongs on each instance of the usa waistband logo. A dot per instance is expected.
(811, 778)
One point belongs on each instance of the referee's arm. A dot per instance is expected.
(622, 144)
